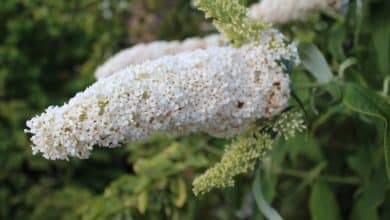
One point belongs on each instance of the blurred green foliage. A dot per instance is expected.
(49, 50)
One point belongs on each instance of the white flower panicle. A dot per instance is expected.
(143, 52)
(218, 90)
(284, 11)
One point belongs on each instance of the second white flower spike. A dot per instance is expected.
(284, 11)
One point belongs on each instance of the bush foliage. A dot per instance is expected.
(336, 170)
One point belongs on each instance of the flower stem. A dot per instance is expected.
(352, 180)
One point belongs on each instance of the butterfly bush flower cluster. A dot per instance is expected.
(149, 51)
(218, 90)
(284, 11)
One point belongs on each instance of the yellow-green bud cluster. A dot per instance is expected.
(239, 158)
(232, 20)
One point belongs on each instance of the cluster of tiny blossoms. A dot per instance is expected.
(289, 124)
(219, 90)
(284, 11)
(143, 52)
(239, 158)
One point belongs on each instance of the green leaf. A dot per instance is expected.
(371, 198)
(142, 202)
(359, 21)
(362, 212)
(367, 102)
(381, 44)
(336, 40)
(315, 62)
(380, 37)
(360, 163)
(179, 192)
(269, 184)
(374, 192)
(307, 146)
(262, 204)
(323, 203)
